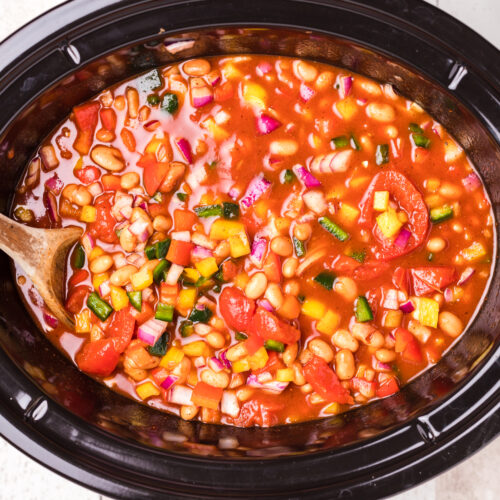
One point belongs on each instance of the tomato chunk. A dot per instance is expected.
(370, 270)
(179, 252)
(325, 382)
(431, 279)
(104, 226)
(86, 116)
(153, 176)
(407, 345)
(387, 385)
(121, 329)
(184, 220)
(206, 395)
(262, 411)
(272, 267)
(87, 175)
(267, 325)
(98, 357)
(236, 308)
(145, 313)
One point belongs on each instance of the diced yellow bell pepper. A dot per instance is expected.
(230, 71)
(192, 378)
(99, 279)
(348, 214)
(153, 145)
(259, 359)
(95, 333)
(329, 323)
(389, 223)
(240, 280)
(82, 322)
(242, 365)
(282, 224)
(336, 192)
(196, 348)
(434, 201)
(147, 390)
(191, 274)
(215, 130)
(285, 375)
(474, 252)
(381, 201)
(207, 267)
(96, 252)
(186, 299)
(254, 94)
(313, 308)
(119, 298)
(222, 229)
(172, 358)
(88, 213)
(142, 279)
(392, 319)
(347, 108)
(78, 164)
(333, 409)
(239, 245)
(426, 311)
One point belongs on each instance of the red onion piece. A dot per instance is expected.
(234, 193)
(259, 247)
(174, 273)
(140, 228)
(263, 68)
(54, 184)
(407, 307)
(50, 320)
(448, 295)
(50, 203)
(256, 189)
(306, 93)
(215, 365)
(201, 96)
(471, 182)
(214, 77)
(466, 275)
(391, 300)
(224, 360)
(180, 394)
(152, 125)
(306, 177)
(266, 124)
(379, 366)
(229, 404)
(95, 189)
(104, 289)
(151, 331)
(169, 382)
(402, 238)
(345, 85)
(184, 148)
(200, 253)
(274, 386)
(266, 305)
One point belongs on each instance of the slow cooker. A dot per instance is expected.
(101, 440)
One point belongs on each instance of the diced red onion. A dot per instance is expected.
(181, 236)
(257, 188)
(50, 320)
(306, 177)
(215, 365)
(407, 307)
(180, 395)
(306, 93)
(448, 295)
(140, 228)
(259, 247)
(471, 182)
(466, 275)
(49, 200)
(134, 259)
(200, 253)
(152, 125)
(54, 184)
(214, 77)
(88, 243)
(95, 189)
(199, 362)
(224, 360)
(169, 382)
(119, 260)
(266, 305)
(174, 47)
(345, 85)
(361, 102)
(49, 158)
(151, 331)
(391, 300)
(184, 148)
(234, 193)
(263, 68)
(104, 289)
(147, 294)
(315, 201)
(174, 273)
(202, 240)
(264, 377)
(201, 96)
(437, 129)
(126, 212)
(337, 161)
(33, 173)
(266, 124)
(274, 386)
(229, 404)
(379, 366)
(402, 238)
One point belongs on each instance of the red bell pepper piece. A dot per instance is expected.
(223, 92)
(407, 345)
(108, 118)
(400, 279)
(98, 357)
(153, 176)
(370, 270)
(77, 277)
(206, 395)
(272, 267)
(184, 220)
(344, 264)
(236, 308)
(387, 385)
(179, 252)
(86, 117)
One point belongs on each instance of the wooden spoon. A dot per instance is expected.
(42, 255)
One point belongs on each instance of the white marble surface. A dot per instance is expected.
(475, 479)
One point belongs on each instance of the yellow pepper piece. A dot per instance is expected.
(392, 319)
(426, 311)
(242, 365)
(142, 279)
(313, 308)
(241, 280)
(172, 358)
(119, 298)
(348, 214)
(389, 223)
(192, 378)
(333, 409)
(88, 214)
(230, 71)
(191, 274)
(215, 130)
(239, 245)
(147, 390)
(285, 375)
(186, 299)
(96, 252)
(329, 323)
(254, 94)
(207, 267)
(196, 348)
(99, 279)
(82, 322)
(259, 359)
(347, 108)
(222, 229)
(474, 252)
(381, 201)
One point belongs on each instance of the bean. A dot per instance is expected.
(105, 135)
(449, 190)
(106, 98)
(289, 267)
(450, 324)
(121, 276)
(290, 353)
(376, 340)
(120, 103)
(344, 364)
(132, 102)
(129, 180)
(436, 244)
(188, 412)
(128, 241)
(321, 349)
(81, 196)
(346, 287)
(305, 356)
(302, 231)
(220, 379)
(298, 374)
(380, 112)
(101, 264)
(371, 87)
(162, 223)
(244, 393)
(344, 340)
(256, 286)
(306, 388)
(292, 287)
(274, 296)
(236, 352)
(196, 67)
(325, 80)
(217, 323)
(282, 246)
(108, 157)
(284, 147)
(215, 340)
(304, 71)
(385, 355)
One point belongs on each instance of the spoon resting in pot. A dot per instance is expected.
(42, 255)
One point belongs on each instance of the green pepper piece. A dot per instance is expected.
(200, 315)
(240, 336)
(421, 141)
(186, 328)
(230, 210)
(362, 310)
(164, 312)
(170, 103)
(415, 128)
(158, 271)
(135, 299)
(182, 196)
(440, 214)
(333, 228)
(150, 252)
(355, 144)
(98, 306)
(78, 257)
(382, 154)
(288, 177)
(161, 248)
(298, 245)
(359, 256)
(325, 279)
(160, 347)
(153, 100)
(274, 345)
(208, 210)
(340, 142)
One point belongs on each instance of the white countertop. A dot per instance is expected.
(477, 478)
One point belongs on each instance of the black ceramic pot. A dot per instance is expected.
(71, 424)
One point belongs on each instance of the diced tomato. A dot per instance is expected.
(154, 173)
(262, 411)
(409, 199)
(78, 277)
(370, 270)
(206, 395)
(325, 382)
(158, 209)
(273, 363)
(74, 302)
(253, 343)
(344, 264)
(159, 374)
(87, 175)
(229, 270)
(98, 357)
(108, 118)
(86, 117)
(272, 267)
(121, 328)
(104, 225)
(179, 252)
(365, 387)
(169, 293)
(184, 220)
(111, 182)
(387, 385)
(268, 326)
(407, 345)
(145, 313)
(223, 92)
(430, 279)
(236, 308)
(420, 155)
(400, 279)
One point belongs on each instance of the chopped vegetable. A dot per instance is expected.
(382, 154)
(209, 211)
(78, 257)
(274, 345)
(169, 103)
(160, 347)
(164, 312)
(135, 299)
(299, 247)
(325, 279)
(230, 210)
(333, 229)
(340, 142)
(99, 307)
(362, 310)
(441, 214)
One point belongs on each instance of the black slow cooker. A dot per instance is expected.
(71, 424)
